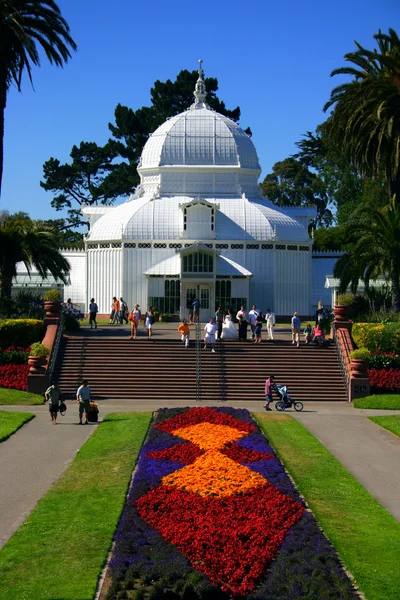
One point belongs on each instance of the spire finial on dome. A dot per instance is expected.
(200, 92)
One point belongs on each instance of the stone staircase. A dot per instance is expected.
(122, 369)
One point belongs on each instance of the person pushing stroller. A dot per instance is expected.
(269, 386)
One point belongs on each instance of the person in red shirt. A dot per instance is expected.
(269, 386)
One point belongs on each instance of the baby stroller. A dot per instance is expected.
(285, 400)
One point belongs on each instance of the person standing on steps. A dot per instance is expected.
(243, 322)
(219, 318)
(123, 310)
(269, 386)
(196, 310)
(209, 337)
(270, 319)
(296, 329)
(149, 321)
(252, 320)
(93, 310)
(258, 327)
(134, 317)
(53, 396)
(83, 399)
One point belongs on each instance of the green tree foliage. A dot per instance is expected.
(332, 238)
(23, 241)
(365, 121)
(66, 237)
(84, 181)
(293, 184)
(25, 25)
(373, 249)
(100, 175)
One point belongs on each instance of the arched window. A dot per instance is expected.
(199, 220)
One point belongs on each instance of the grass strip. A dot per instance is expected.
(365, 535)
(379, 401)
(391, 423)
(10, 422)
(11, 397)
(58, 553)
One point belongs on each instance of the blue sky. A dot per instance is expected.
(273, 59)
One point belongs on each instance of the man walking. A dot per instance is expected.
(252, 319)
(53, 396)
(83, 399)
(123, 311)
(269, 386)
(296, 329)
(196, 311)
(209, 337)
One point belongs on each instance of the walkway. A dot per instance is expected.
(37, 455)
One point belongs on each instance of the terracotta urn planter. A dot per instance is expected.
(358, 368)
(53, 309)
(341, 312)
(36, 363)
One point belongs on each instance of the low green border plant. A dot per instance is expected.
(10, 397)
(61, 548)
(379, 401)
(391, 423)
(20, 332)
(365, 535)
(11, 421)
(345, 299)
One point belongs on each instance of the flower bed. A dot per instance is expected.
(384, 380)
(213, 514)
(14, 368)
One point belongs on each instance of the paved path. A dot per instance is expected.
(37, 455)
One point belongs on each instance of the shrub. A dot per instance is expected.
(377, 336)
(25, 305)
(384, 380)
(20, 332)
(52, 296)
(384, 360)
(38, 349)
(345, 299)
(360, 354)
(14, 354)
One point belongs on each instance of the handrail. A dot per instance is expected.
(198, 362)
(342, 362)
(56, 348)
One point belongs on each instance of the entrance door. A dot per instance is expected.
(205, 303)
(203, 293)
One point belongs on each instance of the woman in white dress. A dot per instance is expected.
(229, 331)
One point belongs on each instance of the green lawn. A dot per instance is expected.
(10, 422)
(382, 401)
(365, 535)
(11, 397)
(391, 423)
(60, 550)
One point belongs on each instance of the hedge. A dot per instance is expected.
(20, 332)
(377, 336)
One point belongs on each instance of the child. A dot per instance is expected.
(185, 332)
(269, 386)
(308, 333)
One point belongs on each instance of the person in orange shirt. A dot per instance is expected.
(114, 317)
(185, 332)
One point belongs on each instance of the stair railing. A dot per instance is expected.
(56, 348)
(198, 363)
(343, 360)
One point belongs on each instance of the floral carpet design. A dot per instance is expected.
(212, 504)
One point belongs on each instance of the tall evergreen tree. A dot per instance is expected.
(25, 25)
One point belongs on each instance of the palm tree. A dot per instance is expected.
(373, 249)
(24, 241)
(24, 25)
(365, 121)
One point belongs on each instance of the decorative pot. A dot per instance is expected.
(341, 312)
(358, 368)
(53, 309)
(36, 363)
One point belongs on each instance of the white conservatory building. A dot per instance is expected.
(198, 226)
